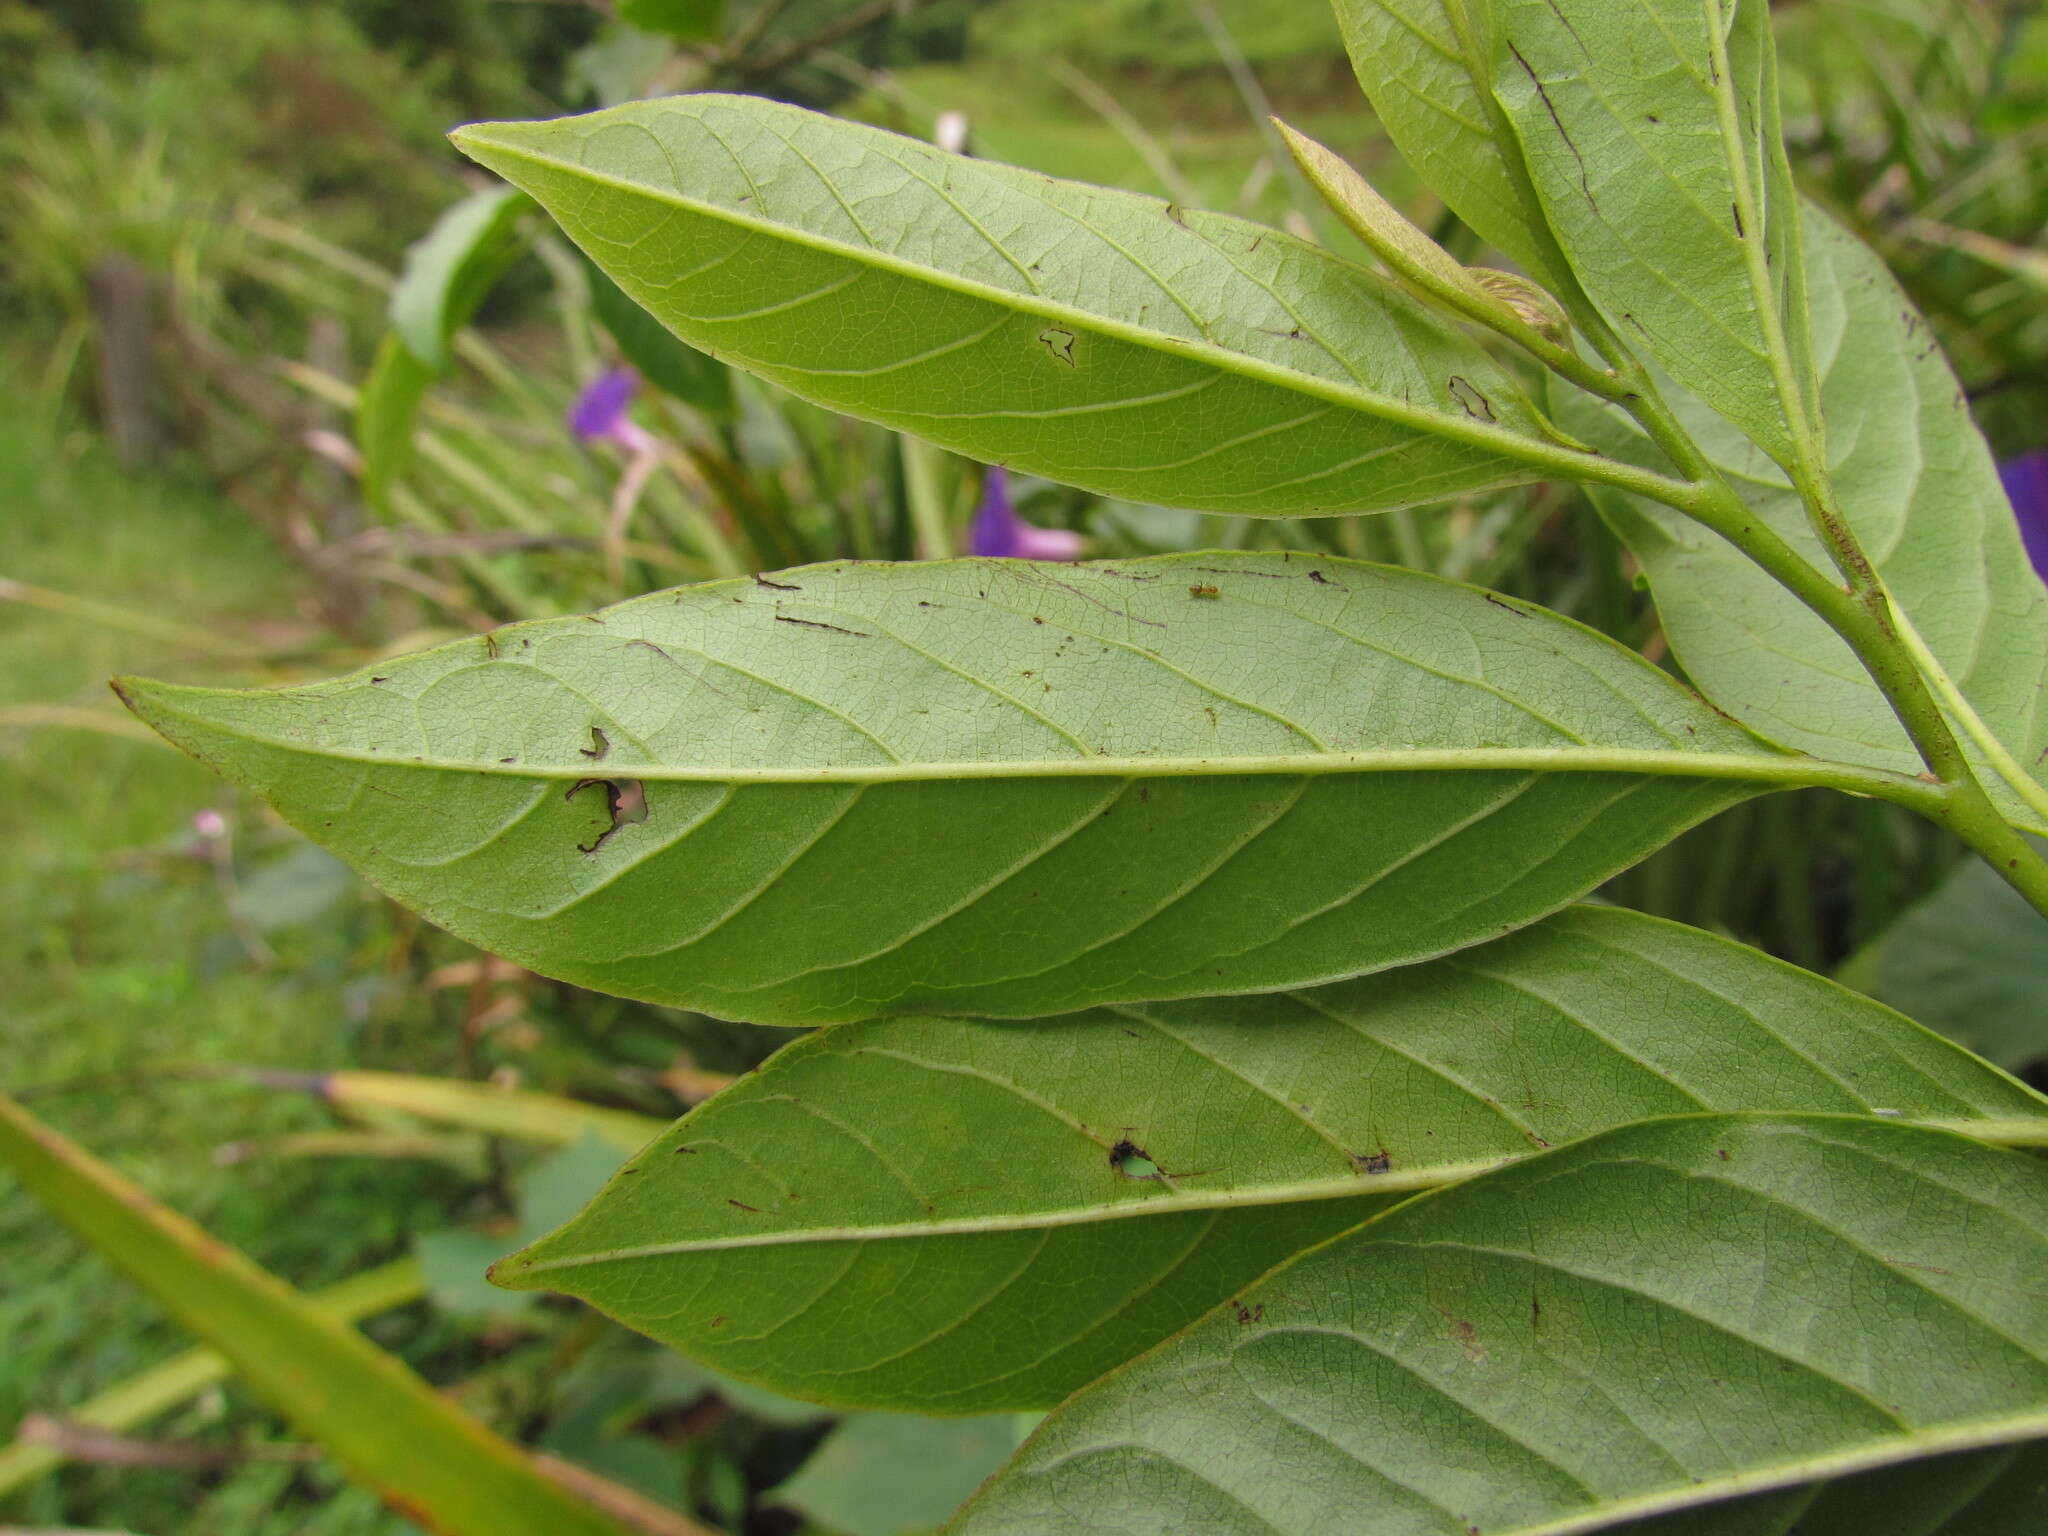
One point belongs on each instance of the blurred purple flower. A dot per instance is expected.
(998, 530)
(2026, 482)
(600, 414)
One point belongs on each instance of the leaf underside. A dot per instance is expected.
(1646, 1321)
(1615, 107)
(1919, 487)
(1414, 70)
(956, 1216)
(1102, 338)
(993, 787)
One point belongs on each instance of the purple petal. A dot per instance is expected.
(600, 411)
(2026, 482)
(997, 531)
(1047, 543)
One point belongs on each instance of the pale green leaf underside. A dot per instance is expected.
(934, 1212)
(995, 787)
(1101, 338)
(1615, 108)
(1413, 70)
(1920, 489)
(1648, 1320)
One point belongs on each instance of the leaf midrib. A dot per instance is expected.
(1494, 439)
(1779, 769)
(1996, 1132)
(1915, 1445)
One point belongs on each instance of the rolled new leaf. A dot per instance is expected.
(953, 1216)
(993, 787)
(419, 1452)
(1644, 1323)
(1426, 67)
(1099, 337)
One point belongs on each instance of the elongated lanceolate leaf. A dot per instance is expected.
(964, 1216)
(1635, 139)
(991, 786)
(1998, 1492)
(1649, 1320)
(1918, 486)
(393, 1432)
(1424, 85)
(1101, 338)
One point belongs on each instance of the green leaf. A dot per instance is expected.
(1923, 496)
(393, 1432)
(1650, 1320)
(1971, 960)
(550, 1193)
(1423, 84)
(690, 21)
(670, 365)
(183, 1377)
(385, 410)
(962, 1216)
(1640, 151)
(1999, 1492)
(448, 272)
(1098, 337)
(993, 786)
(887, 1474)
(451, 268)
(519, 1113)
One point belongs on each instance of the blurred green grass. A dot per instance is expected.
(119, 963)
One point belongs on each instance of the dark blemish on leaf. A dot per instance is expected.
(743, 1205)
(600, 745)
(1736, 210)
(1653, 117)
(1566, 23)
(1211, 713)
(1293, 335)
(1535, 1313)
(380, 679)
(1721, 1153)
(625, 800)
(1378, 1162)
(1134, 1034)
(1476, 405)
(1133, 1162)
(1200, 590)
(681, 1150)
(783, 618)
(775, 586)
(649, 645)
(491, 647)
(508, 759)
(1059, 343)
(719, 1322)
(591, 618)
(1245, 1315)
(1501, 602)
(1467, 1337)
(1173, 212)
(1323, 581)
(1144, 794)
(1557, 122)
(1218, 570)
